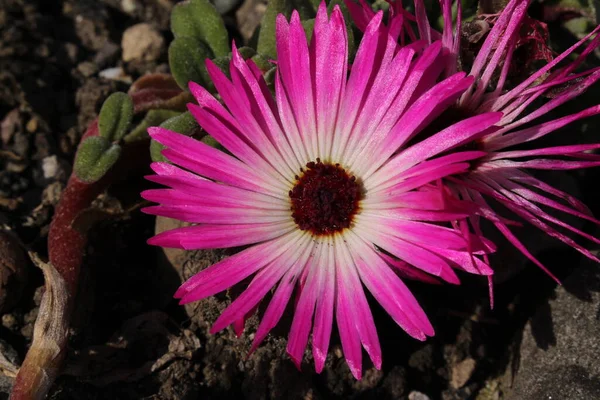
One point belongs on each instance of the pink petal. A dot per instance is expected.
(362, 70)
(245, 109)
(324, 309)
(210, 194)
(305, 308)
(416, 232)
(388, 82)
(390, 192)
(505, 40)
(454, 136)
(262, 283)
(261, 113)
(329, 62)
(219, 123)
(353, 294)
(220, 236)
(389, 290)
(405, 270)
(281, 296)
(416, 255)
(203, 160)
(294, 67)
(420, 114)
(218, 215)
(505, 99)
(232, 270)
(345, 317)
(536, 132)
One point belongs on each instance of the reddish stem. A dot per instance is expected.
(66, 248)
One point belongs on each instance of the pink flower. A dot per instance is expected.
(501, 174)
(322, 187)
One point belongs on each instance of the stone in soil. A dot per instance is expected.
(142, 42)
(560, 345)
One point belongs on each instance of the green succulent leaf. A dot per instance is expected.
(187, 58)
(183, 123)
(95, 156)
(198, 19)
(115, 116)
(262, 62)
(270, 78)
(223, 64)
(246, 52)
(309, 27)
(152, 118)
(211, 141)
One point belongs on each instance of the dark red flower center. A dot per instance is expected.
(325, 198)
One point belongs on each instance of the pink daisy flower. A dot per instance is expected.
(322, 187)
(501, 174)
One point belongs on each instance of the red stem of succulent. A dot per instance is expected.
(67, 244)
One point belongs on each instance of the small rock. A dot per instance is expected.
(249, 16)
(107, 55)
(87, 68)
(50, 167)
(9, 321)
(10, 124)
(224, 6)
(71, 51)
(394, 383)
(32, 125)
(422, 359)
(129, 6)
(92, 31)
(560, 359)
(461, 373)
(115, 74)
(414, 395)
(142, 42)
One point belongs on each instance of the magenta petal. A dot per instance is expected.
(282, 296)
(203, 159)
(262, 283)
(348, 333)
(389, 290)
(324, 309)
(230, 271)
(329, 56)
(350, 290)
(305, 308)
(405, 270)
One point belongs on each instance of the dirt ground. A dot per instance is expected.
(59, 60)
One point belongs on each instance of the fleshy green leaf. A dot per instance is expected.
(223, 64)
(262, 62)
(115, 116)
(198, 19)
(184, 123)
(211, 141)
(309, 27)
(270, 78)
(95, 156)
(152, 118)
(246, 52)
(187, 57)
